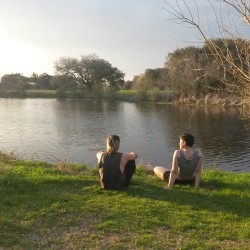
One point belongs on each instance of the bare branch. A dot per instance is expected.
(233, 55)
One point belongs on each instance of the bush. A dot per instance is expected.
(110, 93)
(154, 94)
(141, 96)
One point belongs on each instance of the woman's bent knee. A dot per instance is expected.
(159, 171)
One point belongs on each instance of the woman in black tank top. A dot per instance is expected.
(115, 169)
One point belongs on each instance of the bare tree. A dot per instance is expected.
(232, 22)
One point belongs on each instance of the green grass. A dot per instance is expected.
(127, 91)
(62, 207)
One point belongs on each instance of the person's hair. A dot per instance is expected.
(188, 138)
(113, 143)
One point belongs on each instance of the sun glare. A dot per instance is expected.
(19, 58)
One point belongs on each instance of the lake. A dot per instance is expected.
(58, 130)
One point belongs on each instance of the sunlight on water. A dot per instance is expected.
(53, 130)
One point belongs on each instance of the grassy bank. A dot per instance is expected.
(62, 207)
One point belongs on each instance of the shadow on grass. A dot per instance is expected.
(212, 195)
(24, 200)
(43, 201)
(20, 192)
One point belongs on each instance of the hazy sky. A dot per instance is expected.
(132, 35)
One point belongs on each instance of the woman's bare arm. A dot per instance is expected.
(198, 170)
(127, 157)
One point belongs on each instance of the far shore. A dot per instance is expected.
(216, 100)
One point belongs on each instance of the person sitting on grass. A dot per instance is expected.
(186, 165)
(115, 169)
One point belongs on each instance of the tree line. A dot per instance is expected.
(187, 72)
(220, 66)
(87, 74)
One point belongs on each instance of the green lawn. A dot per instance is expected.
(62, 207)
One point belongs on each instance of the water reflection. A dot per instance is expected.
(53, 130)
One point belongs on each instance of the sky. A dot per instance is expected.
(132, 35)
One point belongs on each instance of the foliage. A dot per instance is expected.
(111, 93)
(154, 94)
(90, 71)
(231, 52)
(127, 85)
(59, 207)
(13, 82)
(141, 96)
(79, 77)
(232, 58)
(150, 79)
(62, 82)
(185, 69)
(41, 81)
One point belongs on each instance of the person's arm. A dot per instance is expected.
(127, 157)
(99, 155)
(130, 156)
(174, 171)
(198, 170)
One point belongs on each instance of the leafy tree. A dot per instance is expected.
(14, 82)
(90, 71)
(41, 81)
(143, 83)
(127, 84)
(62, 82)
(150, 79)
(185, 67)
(195, 71)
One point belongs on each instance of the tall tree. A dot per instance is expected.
(185, 67)
(13, 82)
(90, 71)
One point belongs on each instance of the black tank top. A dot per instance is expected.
(109, 171)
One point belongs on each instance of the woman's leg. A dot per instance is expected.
(160, 172)
(129, 170)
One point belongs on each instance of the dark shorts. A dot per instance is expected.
(188, 182)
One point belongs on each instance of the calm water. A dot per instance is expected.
(53, 130)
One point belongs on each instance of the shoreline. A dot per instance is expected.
(213, 100)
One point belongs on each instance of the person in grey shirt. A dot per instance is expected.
(186, 164)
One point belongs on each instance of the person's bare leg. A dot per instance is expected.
(159, 172)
